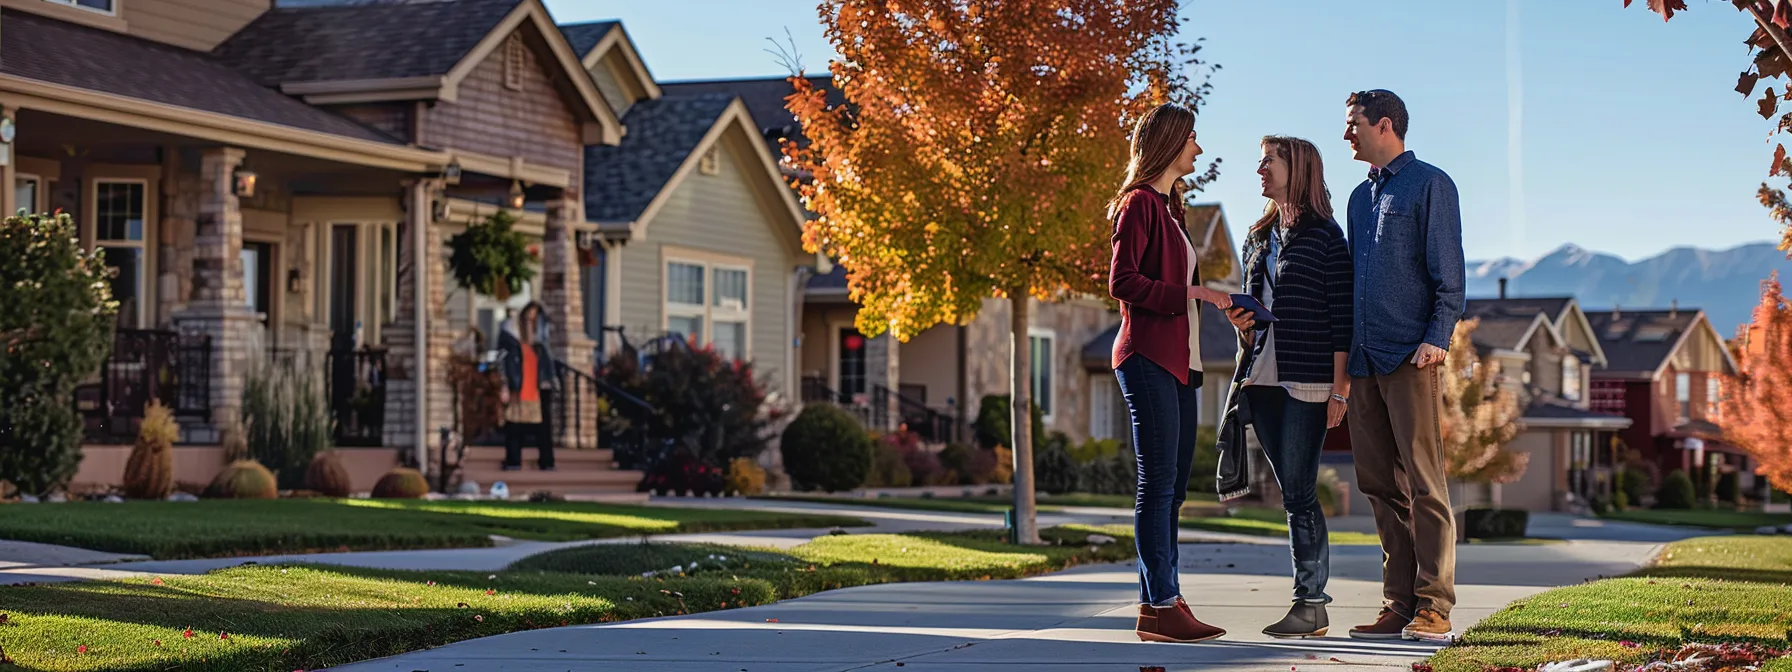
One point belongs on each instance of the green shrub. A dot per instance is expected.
(286, 413)
(1635, 482)
(149, 473)
(1620, 500)
(825, 448)
(1495, 523)
(243, 479)
(1204, 471)
(491, 257)
(1054, 470)
(888, 469)
(995, 422)
(1728, 491)
(1676, 492)
(401, 483)
(960, 460)
(56, 321)
(1104, 467)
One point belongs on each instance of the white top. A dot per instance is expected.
(1263, 369)
(1194, 310)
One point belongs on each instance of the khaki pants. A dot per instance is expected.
(1397, 444)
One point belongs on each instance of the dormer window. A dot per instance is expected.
(109, 7)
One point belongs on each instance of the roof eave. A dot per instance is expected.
(389, 89)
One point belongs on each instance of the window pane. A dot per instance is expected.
(1042, 373)
(126, 283)
(25, 194)
(691, 328)
(731, 289)
(251, 275)
(684, 284)
(731, 339)
(102, 5)
(119, 211)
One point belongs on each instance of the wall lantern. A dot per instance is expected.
(244, 183)
(451, 172)
(516, 195)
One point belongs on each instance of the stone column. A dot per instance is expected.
(564, 301)
(405, 368)
(216, 307)
(883, 369)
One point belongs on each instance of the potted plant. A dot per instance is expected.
(491, 257)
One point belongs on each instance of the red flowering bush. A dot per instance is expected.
(712, 410)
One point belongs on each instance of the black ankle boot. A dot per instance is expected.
(1305, 619)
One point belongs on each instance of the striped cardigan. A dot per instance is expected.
(1313, 299)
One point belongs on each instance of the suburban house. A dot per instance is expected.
(1665, 375)
(263, 175)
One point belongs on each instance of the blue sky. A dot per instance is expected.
(1561, 122)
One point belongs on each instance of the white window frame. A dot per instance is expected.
(37, 192)
(708, 313)
(103, 12)
(1572, 392)
(1103, 390)
(1050, 408)
(144, 261)
(1683, 395)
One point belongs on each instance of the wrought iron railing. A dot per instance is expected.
(580, 410)
(874, 409)
(356, 380)
(146, 365)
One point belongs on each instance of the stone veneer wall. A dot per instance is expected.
(1073, 323)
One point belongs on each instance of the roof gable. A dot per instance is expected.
(1641, 343)
(1508, 324)
(598, 41)
(764, 98)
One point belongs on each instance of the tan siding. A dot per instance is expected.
(931, 360)
(719, 215)
(393, 119)
(609, 85)
(194, 24)
(534, 123)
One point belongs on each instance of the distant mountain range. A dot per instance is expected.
(1725, 284)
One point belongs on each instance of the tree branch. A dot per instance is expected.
(1764, 19)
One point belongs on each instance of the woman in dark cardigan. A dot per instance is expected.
(1157, 356)
(1293, 377)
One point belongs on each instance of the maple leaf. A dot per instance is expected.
(81, 649)
(188, 634)
(1745, 83)
(1665, 8)
(1779, 160)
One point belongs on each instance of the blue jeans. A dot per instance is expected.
(1292, 433)
(1163, 438)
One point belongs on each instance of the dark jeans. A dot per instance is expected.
(542, 432)
(1163, 437)
(1292, 433)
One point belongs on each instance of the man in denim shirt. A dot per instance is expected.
(1406, 242)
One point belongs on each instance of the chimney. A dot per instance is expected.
(1503, 288)
(1673, 309)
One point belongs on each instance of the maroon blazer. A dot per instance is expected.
(1149, 277)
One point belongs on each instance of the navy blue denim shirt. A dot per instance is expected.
(1406, 241)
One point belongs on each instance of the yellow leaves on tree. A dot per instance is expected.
(1480, 416)
(978, 144)
(1757, 401)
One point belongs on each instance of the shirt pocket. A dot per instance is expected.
(1397, 226)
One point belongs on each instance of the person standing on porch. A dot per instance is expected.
(530, 376)
(1406, 242)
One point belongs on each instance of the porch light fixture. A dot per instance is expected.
(451, 172)
(516, 195)
(244, 183)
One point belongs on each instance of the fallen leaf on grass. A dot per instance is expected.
(81, 649)
(156, 581)
(188, 634)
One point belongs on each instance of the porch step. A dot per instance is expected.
(492, 457)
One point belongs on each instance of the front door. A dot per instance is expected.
(344, 278)
(852, 383)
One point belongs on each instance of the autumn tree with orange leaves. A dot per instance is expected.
(1771, 58)
(978, 146)
(1757, 401)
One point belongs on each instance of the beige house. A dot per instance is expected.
(265, 174)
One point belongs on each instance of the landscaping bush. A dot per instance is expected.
(243, 479)
(1676, 492)
(401, 483)
(56, 322)
(745, 477)
(825, 448)
(1329, 486)
(714, 408)
(1728, 491)
(149, 474)
(327, 476)
(1203, 473)
(1001, 465)
(1635, 483)
(994, 426)
(888, 469)
(1620, 500)
(958, 459)
(1103, 467)
(924, 466)
(1495, 523)
(286, 412)
(1054, 470)
(684, 475)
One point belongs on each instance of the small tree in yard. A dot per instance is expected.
(56, 320)
(1479, 417)
(978, 146)
(1755, 400)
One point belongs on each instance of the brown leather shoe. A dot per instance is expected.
(1173, 624)
(1429, 626)
(1389, 625)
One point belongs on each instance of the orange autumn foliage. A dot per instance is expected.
(1755, 400)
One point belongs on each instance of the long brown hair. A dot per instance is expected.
(1157, 140)
(1306, 187)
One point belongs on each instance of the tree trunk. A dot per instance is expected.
(1493, 495)
(1026, 522)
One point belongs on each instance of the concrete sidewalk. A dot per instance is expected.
(1080, 619)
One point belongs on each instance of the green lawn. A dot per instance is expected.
(1267, 522)
(993, 505)
(1707, 590)
(1740, 521)
(223, 528)
(307, 617)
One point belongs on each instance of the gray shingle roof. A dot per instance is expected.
(1637, 342)
(47, 50)
(374, 40)
(584, 36)
(620, 181)
(1219, 343)
(1503, 321)
(764, 98)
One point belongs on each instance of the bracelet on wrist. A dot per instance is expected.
(1340, 397)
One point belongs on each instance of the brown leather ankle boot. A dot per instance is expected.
(1173, 624)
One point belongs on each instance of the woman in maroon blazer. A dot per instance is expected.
(1157, 355)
